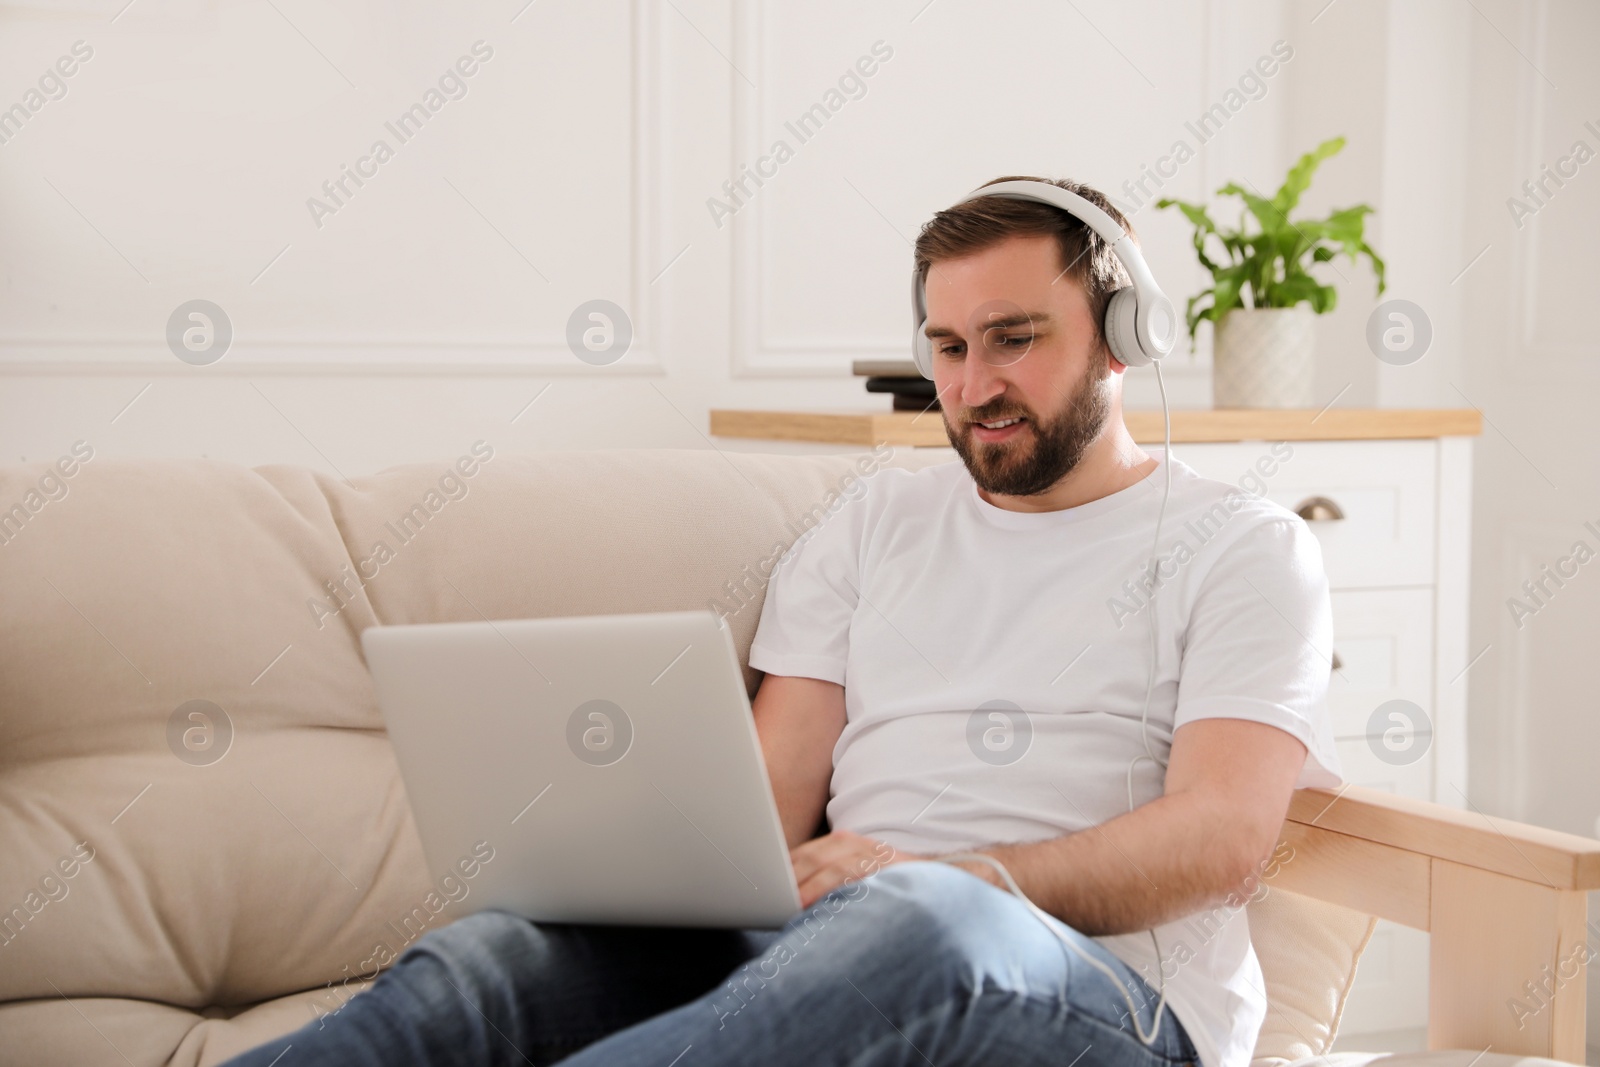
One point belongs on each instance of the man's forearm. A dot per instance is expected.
(1171, 857)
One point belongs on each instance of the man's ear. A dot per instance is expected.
(1112, 362)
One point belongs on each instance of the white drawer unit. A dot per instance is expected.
(1383, 652)
(1371, 503)
(1382, 687)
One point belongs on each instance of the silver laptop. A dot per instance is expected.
(608, 766)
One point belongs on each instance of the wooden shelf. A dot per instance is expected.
(867, 428)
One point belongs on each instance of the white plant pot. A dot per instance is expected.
(1264, 358)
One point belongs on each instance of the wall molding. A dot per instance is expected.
(311, 354)
(753, 353)
(756, 353)
(1526, 545)
(1533, 96)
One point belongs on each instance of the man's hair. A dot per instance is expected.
(975, 225)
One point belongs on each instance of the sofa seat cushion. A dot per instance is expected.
(87, 1030)
(1442, 1058)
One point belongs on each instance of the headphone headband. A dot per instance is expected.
(1065, 199)
(1140, 324)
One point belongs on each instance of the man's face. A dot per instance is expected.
(1012, 336)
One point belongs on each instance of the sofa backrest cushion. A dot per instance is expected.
(1308, 950)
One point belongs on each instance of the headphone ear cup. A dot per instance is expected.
(921, 346)
(1121, 328)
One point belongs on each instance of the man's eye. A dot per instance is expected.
(950, 350)
(1017, 341)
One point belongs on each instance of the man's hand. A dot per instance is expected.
(825, 863)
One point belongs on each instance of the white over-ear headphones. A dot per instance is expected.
(1140, 325)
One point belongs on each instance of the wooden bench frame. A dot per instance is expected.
(1503, 903)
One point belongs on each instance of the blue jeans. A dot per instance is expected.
(920, 962)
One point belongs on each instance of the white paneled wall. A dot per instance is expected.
(399, 206)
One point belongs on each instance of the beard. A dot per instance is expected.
(1039, 454)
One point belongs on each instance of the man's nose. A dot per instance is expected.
(979, 381)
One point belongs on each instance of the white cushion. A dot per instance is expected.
(1441, 1058)
(1308, 951)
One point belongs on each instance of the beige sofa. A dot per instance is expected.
(183, 880)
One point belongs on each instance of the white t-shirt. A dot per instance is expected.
(994, 664)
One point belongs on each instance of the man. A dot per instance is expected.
(958, 661)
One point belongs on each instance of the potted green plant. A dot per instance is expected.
(1262, 295)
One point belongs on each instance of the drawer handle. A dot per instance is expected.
(1337, 662)
(1319, 509)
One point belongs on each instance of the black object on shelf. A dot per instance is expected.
(910, 394)
(902, 386)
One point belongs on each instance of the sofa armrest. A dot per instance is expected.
(1503, 903)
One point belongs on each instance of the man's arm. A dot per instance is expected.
(1227, 794)
(799, 720)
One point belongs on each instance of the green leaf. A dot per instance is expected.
(1193, 212)
(1272, 221)
(1305, 289)
(1229, 284)
(1299, 179)
(1193, 316)
(1347, 223)
(1347, 227)
(1377, 265)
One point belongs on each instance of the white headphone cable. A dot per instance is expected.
(1011, 885)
